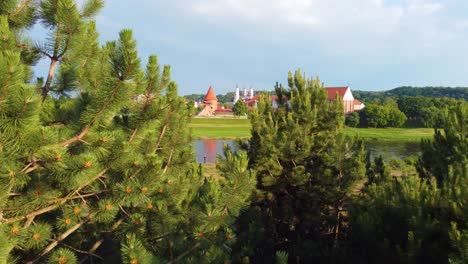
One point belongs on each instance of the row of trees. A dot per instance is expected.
(222, 98)
(430, 92)
(411, 111)
(426, 112)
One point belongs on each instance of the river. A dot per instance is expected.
(207, 149)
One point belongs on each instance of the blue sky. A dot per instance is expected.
(366, 44)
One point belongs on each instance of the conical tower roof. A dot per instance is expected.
(210, 95)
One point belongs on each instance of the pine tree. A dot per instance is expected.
(417, 219)
(448, 148)
(306, 171)
(97, 161)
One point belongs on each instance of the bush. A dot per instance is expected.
(352, 120)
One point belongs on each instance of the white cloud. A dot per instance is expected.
(361, 24)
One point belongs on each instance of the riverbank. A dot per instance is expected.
(232, 128)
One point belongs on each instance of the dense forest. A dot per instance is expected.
(98, 165)
(432, 92)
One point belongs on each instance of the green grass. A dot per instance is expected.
(221, 128)
(391, 134)
(230, 128)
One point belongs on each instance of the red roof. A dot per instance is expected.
(331, 92)
(210, 95)
(252, 100)
(357, 102)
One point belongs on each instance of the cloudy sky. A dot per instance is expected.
(366, 44)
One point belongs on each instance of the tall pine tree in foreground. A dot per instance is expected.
(306, 172)
(97, 162)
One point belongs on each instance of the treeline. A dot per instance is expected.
(222, 98)
(371, 96)
(433, 92)
(408, 111)
(406, 106)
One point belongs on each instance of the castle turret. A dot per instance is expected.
(210, 103)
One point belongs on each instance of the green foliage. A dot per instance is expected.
(416, 219)
(352, 120)
(100, 155)
(448, 148)
(63, 255)
(239, 108)
(281, 257)
(385, 115)
(431, 92)
(222, 98)
(306, 169)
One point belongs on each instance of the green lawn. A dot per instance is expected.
(391, 134)
(230, 128)
(221, 128)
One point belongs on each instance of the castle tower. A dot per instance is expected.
(210, 103)
(251, 93)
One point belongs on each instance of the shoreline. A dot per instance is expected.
(239, 128)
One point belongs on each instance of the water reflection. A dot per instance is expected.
(207, 149)
(389, 150)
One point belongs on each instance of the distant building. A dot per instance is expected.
(358, 105)
(246, 95)
(210, 104)
(344, 93)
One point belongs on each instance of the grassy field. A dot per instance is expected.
(221, 128)
(230, 128)
(391, 134)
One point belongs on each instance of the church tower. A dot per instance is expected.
(236, 96)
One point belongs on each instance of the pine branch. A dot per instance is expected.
(43, 52)
(76, 138)
(180, 257)
(56, 204)
(83, 252)
(169, 159)
(62, 237)
(34, 213)
(148, 101)
(91, 123)
(5, 87)
(161, 136)
(21, 7)
(46, 88)
(99, 242)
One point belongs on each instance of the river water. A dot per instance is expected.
(207, 149)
